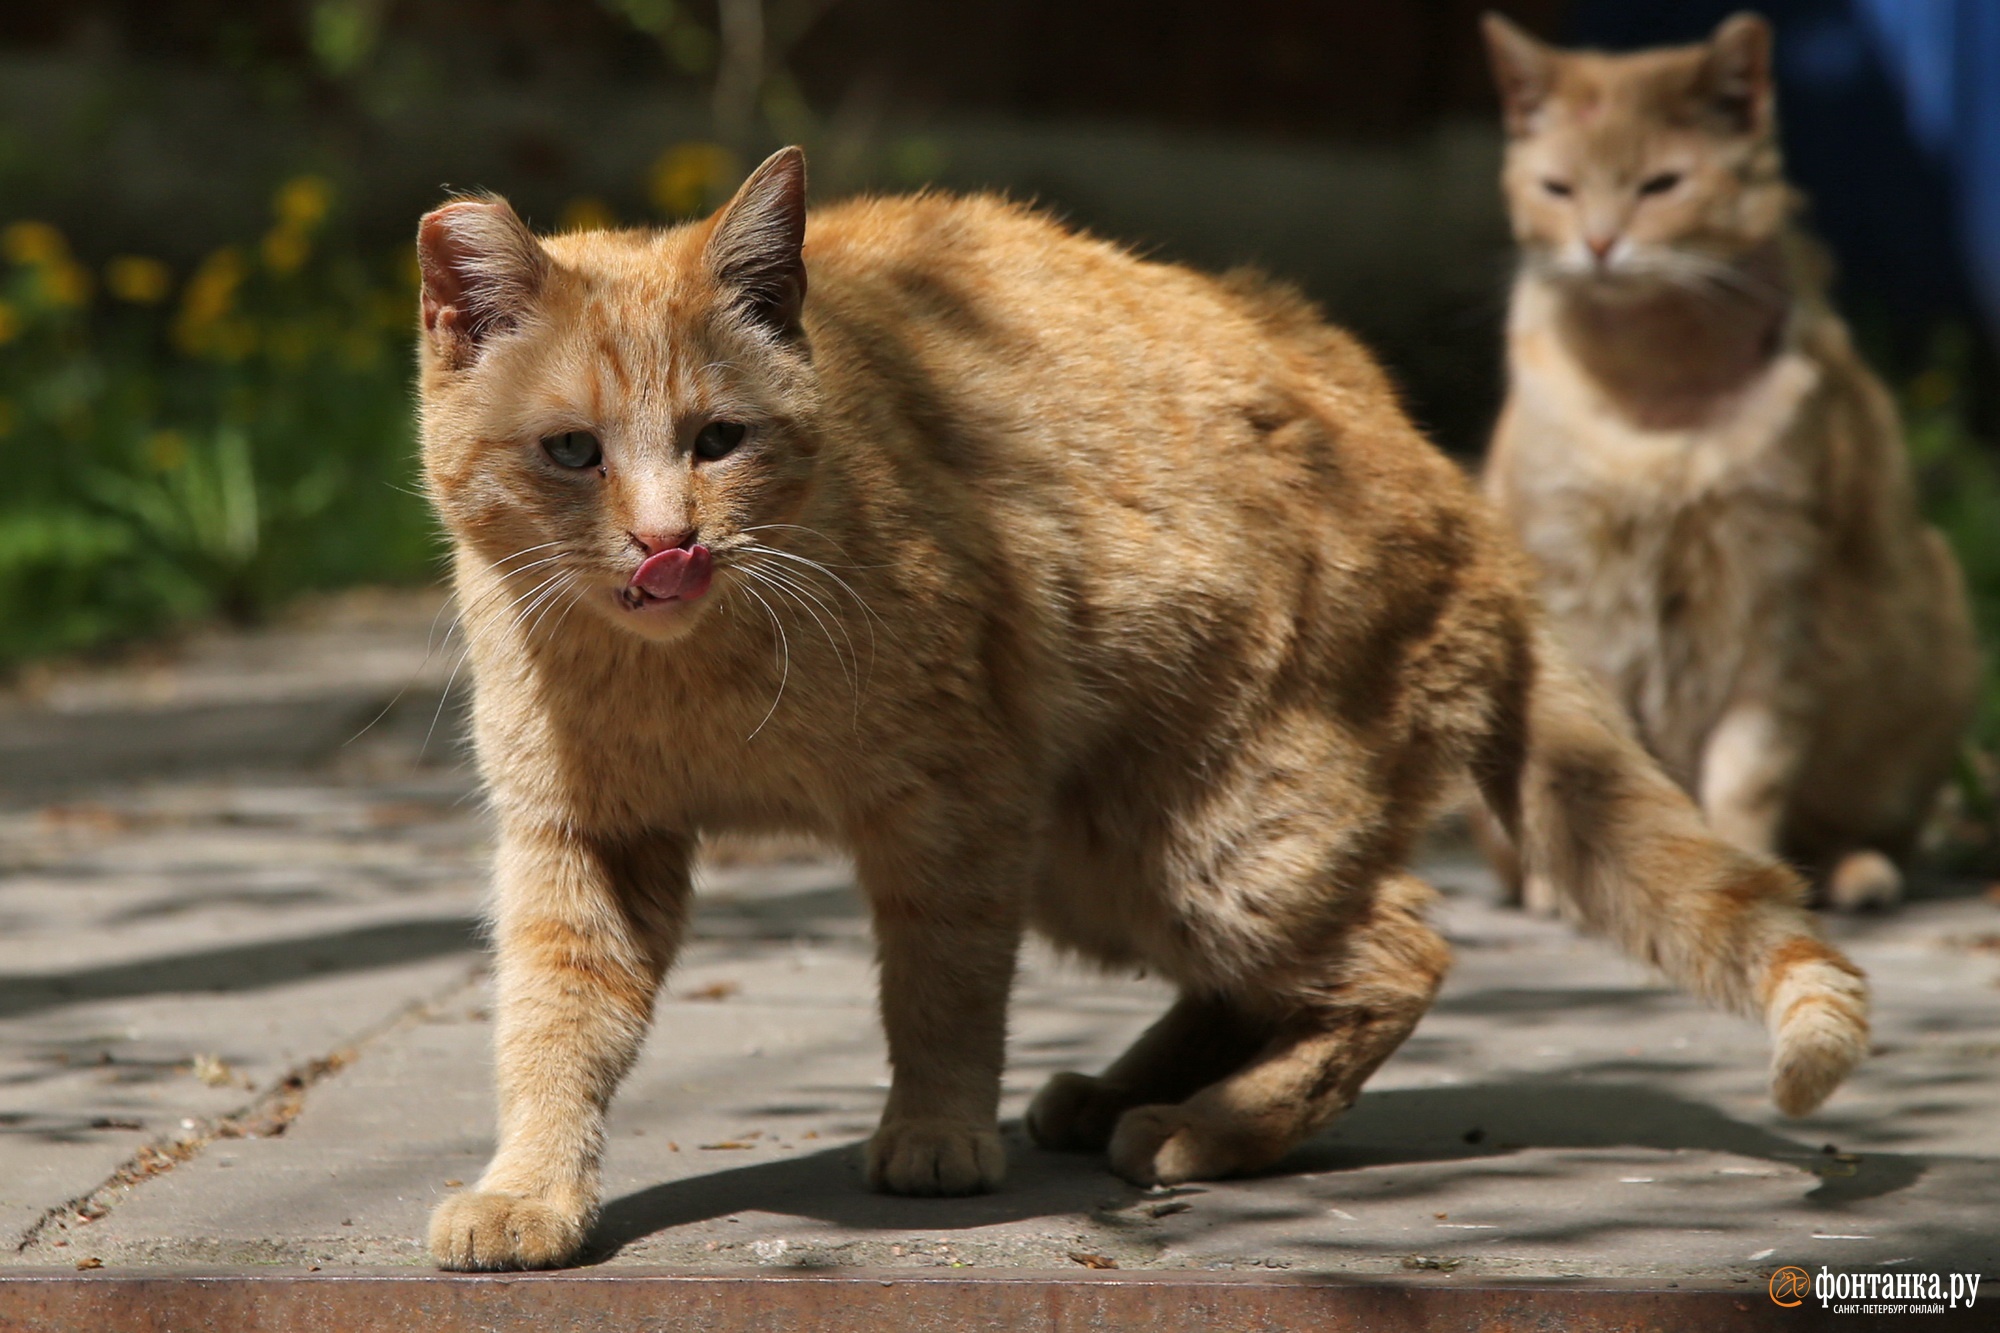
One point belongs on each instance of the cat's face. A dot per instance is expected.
(1629, 171)
(613, 420)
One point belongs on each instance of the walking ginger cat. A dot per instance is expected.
(1711, 482)
(1067, 591)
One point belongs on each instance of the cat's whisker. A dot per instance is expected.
(792, 596)
(870, 618)
(771, 578)
(814, 565)
(785, 675)
(434, 645)
(549, 602)
(800, 527)
(444, 697)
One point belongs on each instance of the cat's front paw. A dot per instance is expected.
(480, 1230)
(935, 1157)
(1167, 1145)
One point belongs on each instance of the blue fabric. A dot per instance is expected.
(1890, 111)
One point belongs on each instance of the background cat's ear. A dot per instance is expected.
(481, 270)
(1523, 69)
(1737, 72)
(754, 247)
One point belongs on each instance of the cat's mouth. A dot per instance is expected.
(669, 578)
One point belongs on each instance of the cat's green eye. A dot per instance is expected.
(574, 449)
(1661, 183)
(718, 439)
(1560, 189)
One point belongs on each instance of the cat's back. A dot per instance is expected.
(1025, 344)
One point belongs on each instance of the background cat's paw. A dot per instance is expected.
(935, 1157)
(477, 1230)
(1075, 1113)
(1863, 880)
(1166, 1145)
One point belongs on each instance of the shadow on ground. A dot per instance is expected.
(1466, 1124)
(244, 966)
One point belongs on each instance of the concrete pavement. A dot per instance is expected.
(243, 1021)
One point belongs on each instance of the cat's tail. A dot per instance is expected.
(1624, 849)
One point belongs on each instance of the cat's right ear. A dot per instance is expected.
(756, 243)
(481, 269)
(1523, 70)
(1737, 71)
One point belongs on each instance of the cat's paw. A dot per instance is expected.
(1864, 880)
(479, 1230)
(1075, 1113)
(935, 1157)
(1167, 1145)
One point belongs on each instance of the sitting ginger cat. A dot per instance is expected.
(1180, 631)
(1712, 484)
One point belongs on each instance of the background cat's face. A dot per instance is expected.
(611, 419)
(1660, 166)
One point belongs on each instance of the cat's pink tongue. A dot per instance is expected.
(682, 574)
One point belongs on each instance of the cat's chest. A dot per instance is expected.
(632, 741)
(1670, 559)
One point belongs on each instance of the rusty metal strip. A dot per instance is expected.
(878, 1302)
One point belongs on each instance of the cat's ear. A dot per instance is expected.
(482, 270)
(755, 243)
(1524, 70)
(1736, 75)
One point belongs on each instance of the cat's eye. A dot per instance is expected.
(718, 439)
(1560, 189)
(574, 449)
(1661, 183)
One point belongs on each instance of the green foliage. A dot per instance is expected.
(1958, 475)
(209, 445)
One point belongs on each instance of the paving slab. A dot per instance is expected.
(243, 1025)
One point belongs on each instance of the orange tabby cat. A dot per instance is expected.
(1711, 482)
(1067, 591)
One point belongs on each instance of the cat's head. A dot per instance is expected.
(614, 418)
(1628, 170)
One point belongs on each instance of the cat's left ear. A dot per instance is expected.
(482, 270)
(1737, 72)
(755, 245)
(1524, 70)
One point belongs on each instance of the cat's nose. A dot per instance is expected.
(652, 543)
(1600, 246)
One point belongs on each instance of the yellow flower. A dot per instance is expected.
(138, 279)
(166, 450)
(588, 213)
(33, 243)
(66, 283)
(285, 249)
(10, 322)
(689, 176)
(302, 201)
(207, 298)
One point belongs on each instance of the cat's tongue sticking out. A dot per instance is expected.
(680, 574)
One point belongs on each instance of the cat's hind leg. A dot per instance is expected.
(1333, 1025)
(1200, 1039)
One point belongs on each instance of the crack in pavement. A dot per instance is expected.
(264, 1117)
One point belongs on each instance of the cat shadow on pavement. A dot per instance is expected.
(1468, 1123)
